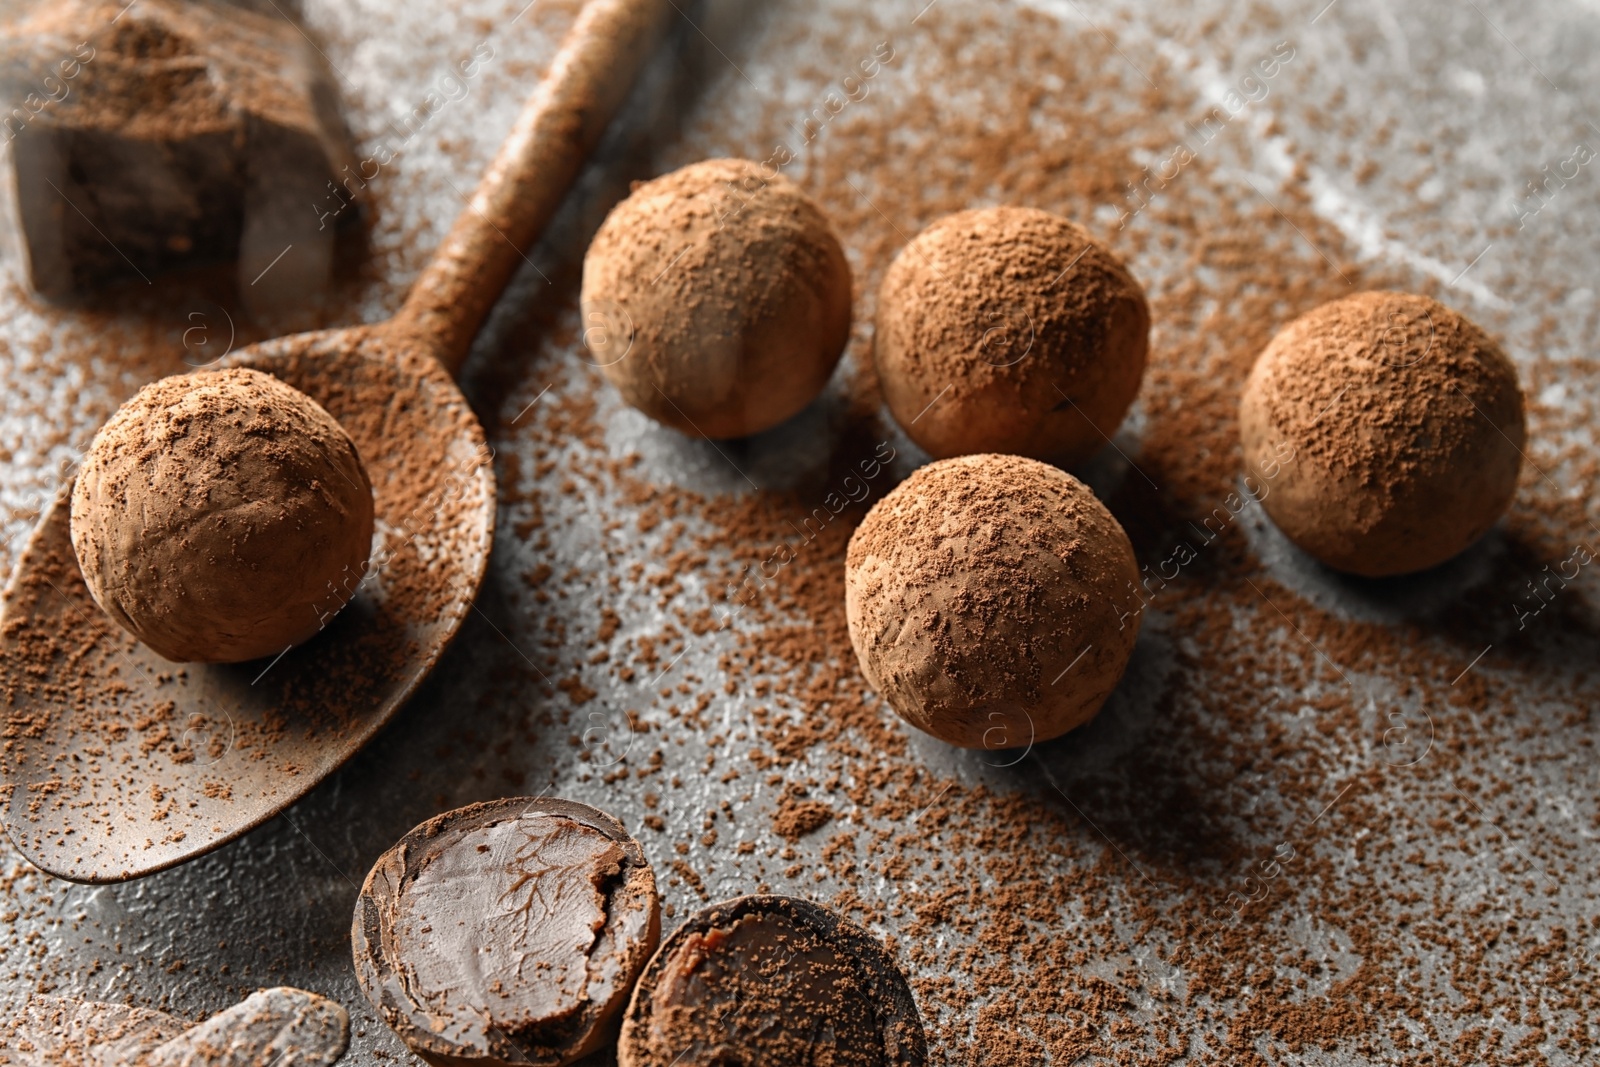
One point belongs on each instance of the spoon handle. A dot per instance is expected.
(560, 125)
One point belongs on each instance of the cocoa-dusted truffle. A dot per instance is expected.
(214, 512)
(717, 298)
(991, 600)
(775, 981)
(509, 932)
(1386, 432)
(1010, 329)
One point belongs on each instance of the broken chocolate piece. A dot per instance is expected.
(509, 932)
(771, 981)
(279, 1027)
(144, 137)
(283, 1027)
(50, 1031)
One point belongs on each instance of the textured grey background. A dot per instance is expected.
(1478, 96)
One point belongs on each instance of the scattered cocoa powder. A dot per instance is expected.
(796, 817)
(1123, 914)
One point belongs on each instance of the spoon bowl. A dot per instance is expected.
(127, 762)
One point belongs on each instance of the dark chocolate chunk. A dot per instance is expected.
(507, 933)
(770, 981)
(167, 133)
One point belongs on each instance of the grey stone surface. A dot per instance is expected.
(1475, 98)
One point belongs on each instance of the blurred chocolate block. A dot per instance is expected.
(49, 1031)
(279, 1027)
(165, 133)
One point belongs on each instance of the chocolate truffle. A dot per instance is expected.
(773, 981)
(215, 511)
(717, 299)
(507, 933)
(1385, 431)
(991, 600)
(1010, 329)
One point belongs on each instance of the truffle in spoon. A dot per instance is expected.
(222, 517)
(140, 801)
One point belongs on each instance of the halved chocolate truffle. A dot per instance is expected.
(509, 932)
(771, 981)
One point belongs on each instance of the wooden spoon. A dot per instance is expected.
(117, 763)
